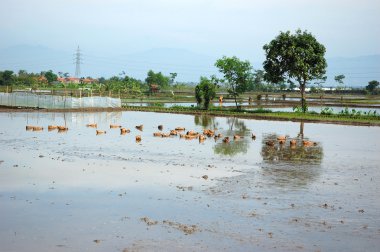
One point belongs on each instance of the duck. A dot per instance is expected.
(29, 127)
(157, 134)
(281, 141)
(208, 132)
(237, 137)
(62, 128)
(138, 138)
(202, 138)
(173, 132)
(124, 131)
(37, 128)
(308, 143)
(192, 133)
(140, 127)
(165, 135)
(279, 138)
(98, 132)
(114, 126)
(293, 142)
(92, 125)
(226, 140)
(160, 127)
(180, 128)
(253, 136)
(52, 127)
(189, 137)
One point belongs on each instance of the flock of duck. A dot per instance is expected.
(178, 131)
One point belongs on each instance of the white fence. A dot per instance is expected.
(56, 102)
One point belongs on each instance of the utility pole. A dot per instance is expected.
(78, 62)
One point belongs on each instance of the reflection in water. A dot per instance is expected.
(289, 165)
(71, 117)
(235, 127)
(232, 148)
(206, 121)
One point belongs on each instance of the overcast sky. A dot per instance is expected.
(212, 27)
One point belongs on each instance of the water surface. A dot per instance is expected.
(78, 191)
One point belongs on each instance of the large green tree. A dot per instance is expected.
(372, 85)
(6, 78)
(50, 76)
(237, 75)
(296, 58)
(157, 78)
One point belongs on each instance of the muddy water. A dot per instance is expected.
(78, 191)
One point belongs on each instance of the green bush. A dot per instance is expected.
(327, 111)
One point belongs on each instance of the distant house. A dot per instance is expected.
(42, 79)
(75, 80)
(89, 80)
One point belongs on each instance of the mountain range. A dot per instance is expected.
(187, 64)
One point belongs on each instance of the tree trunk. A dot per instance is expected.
(236, 102)
(301, 129)
(303, 101)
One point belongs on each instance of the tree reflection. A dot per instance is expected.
(206, 121)
(235, 127)
(232, 148)
(291, 166)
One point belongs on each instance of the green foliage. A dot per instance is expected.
(158, 78)
(237, 75)
(303, 108)
(50, 76)
(327, 111)
(172, 77)
(157, 104)
(339, 79)
(372, 85)
(293, 58)
(198, 95)
(6, 78)
(257, 82)
(205, 91)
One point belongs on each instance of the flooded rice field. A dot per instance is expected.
(75, 190)
(254, 106)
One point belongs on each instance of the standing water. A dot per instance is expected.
(78, 191)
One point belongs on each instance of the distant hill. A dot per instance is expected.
(188, 65)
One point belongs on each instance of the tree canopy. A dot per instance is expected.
(157, 78)
(237, 75)
(6, 77)
(205, 91)
(372, 85)
(50, 76)
(295, 57)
